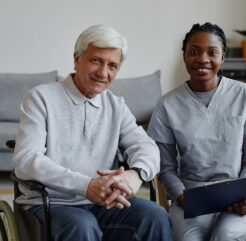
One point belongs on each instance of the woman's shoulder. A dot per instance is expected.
(234, 87)
(232, 83)
(174, 95)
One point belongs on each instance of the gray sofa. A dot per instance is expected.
(13, 88)
(141, 95)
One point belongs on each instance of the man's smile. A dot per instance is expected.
(98, 80)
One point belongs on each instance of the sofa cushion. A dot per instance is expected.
(14, 87)
(8, 131)
(5, 162)
(141, 94)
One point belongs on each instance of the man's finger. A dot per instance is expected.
(112, 197)
(124, 187)
(118, 183)
(112, 204)
(115, 204)
(110, 172)
(123, 201)
(106, 172)
(120, 203)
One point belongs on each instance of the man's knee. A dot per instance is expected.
(80, 225)
(151, 213)
(153, 220)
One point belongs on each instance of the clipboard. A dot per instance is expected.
(213, 198)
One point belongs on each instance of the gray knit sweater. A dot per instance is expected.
(64, 138)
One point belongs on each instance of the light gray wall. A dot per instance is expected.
(39, 35)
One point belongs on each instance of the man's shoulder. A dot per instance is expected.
(108, 95)
(44, 92)
(48, 87)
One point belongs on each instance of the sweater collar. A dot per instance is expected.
(76, 96)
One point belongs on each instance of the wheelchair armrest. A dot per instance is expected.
(32, 185)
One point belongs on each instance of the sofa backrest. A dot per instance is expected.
(141, 94)
(14, 87)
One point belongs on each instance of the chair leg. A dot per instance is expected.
(8, 220)
(161, 194)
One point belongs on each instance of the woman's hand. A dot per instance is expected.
(239, 207)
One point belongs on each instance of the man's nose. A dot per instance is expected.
(102, 71)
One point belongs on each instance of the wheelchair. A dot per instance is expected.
(21, 225)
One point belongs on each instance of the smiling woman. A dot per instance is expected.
(203, 57)
(204, 121)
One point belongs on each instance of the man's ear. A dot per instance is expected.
(75, 57)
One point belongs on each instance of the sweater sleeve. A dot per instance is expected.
(30, 160)
(138, 148)
(168, 175)
(243, 170)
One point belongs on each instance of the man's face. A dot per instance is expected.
(95, 69)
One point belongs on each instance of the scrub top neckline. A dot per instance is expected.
(214, 100)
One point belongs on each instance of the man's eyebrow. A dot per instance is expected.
(96, 56)
(113, 62)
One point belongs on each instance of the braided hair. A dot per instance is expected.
(206, 27)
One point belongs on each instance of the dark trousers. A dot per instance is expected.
(144, 220)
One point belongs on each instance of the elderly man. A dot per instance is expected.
(68, 138)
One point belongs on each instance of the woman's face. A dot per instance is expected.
(203, 57)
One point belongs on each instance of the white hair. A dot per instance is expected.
(101, 36)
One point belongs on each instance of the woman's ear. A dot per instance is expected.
(222, 58)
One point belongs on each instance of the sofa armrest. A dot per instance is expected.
(10, 144)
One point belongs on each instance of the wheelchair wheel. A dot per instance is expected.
(8, 228)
